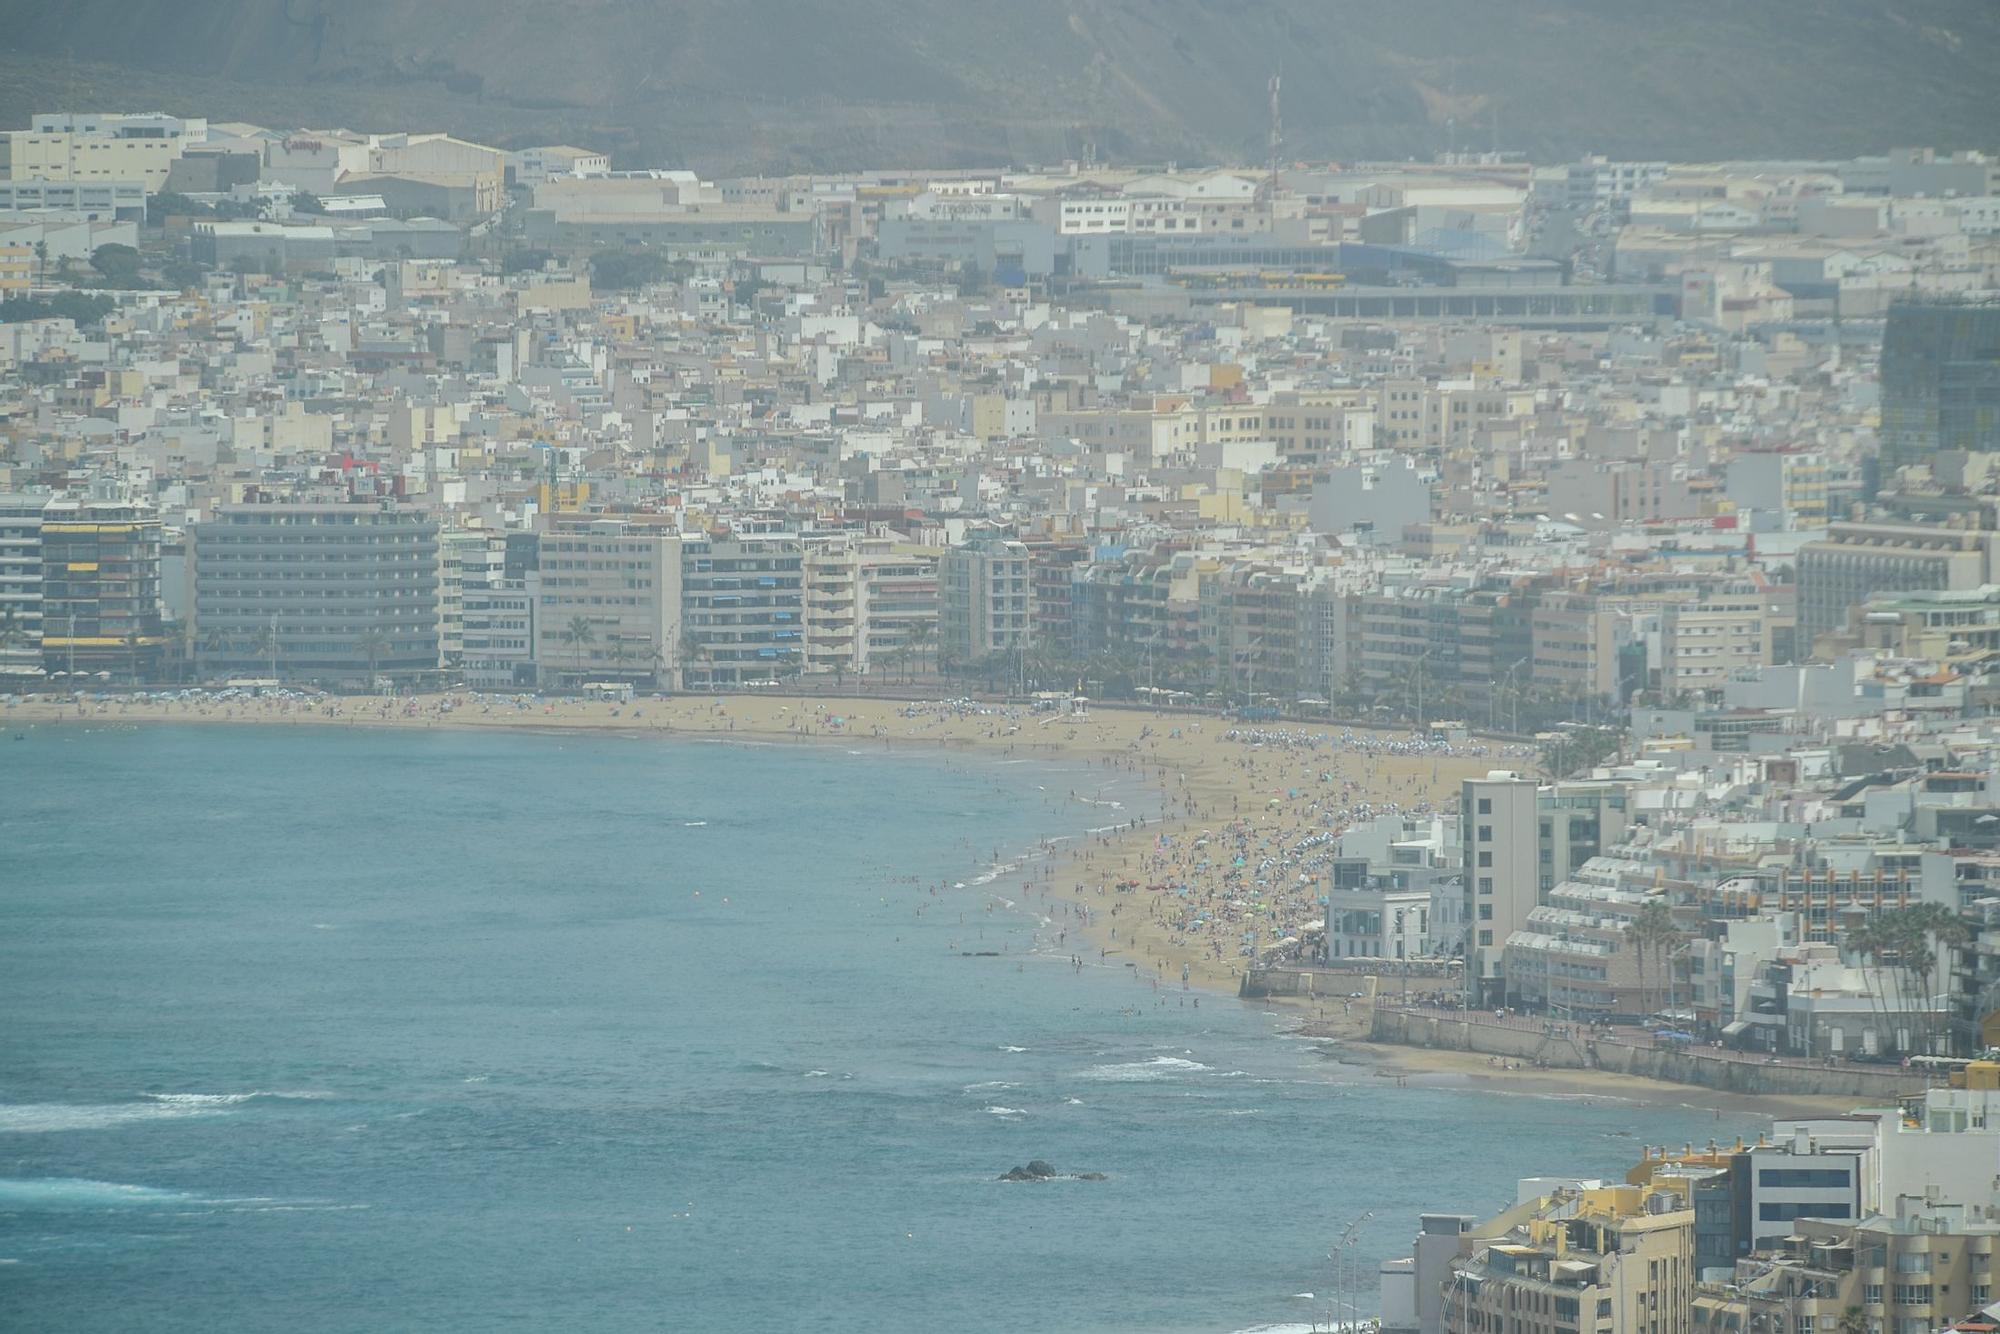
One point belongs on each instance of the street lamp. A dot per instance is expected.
(1339, 1257)
(1493, 701)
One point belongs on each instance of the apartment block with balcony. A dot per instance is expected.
(898, 600)
(101, 589)
(984, 605)
(608, 601)
(742, 608)
(21, 584)
(1912, 1272)
(1611, 1259)
(334, 593)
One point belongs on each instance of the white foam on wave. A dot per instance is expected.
(817, 1074)
(1132, 1072)
(1005, 1111)
(1013, 1049)
(79, 1193)
(230, 1099)
(990, 1084)
(48, 1118)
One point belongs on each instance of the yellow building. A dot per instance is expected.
(1611, 1259)
(70, 156)
(101, 589)
(17, 270)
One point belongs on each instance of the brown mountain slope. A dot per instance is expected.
(787, 83)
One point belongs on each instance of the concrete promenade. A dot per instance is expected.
(1632, 1052)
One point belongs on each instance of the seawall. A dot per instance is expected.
(1566, 1047)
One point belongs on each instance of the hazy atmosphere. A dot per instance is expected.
(1171, 667)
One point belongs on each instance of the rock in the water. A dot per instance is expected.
(1037, 1170)
(1034, 1171)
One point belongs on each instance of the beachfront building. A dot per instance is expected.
(1574, 954)
(1612, 1259)
(488, 608)
(742, 607)
(1519, 839)
(464, 557)
(1502, 871)
(609, 601)
(898, 599)
(1910, 1272)
(21, 584)
(984, 598)
(101, 589)
(334, 593)
(1377, 923)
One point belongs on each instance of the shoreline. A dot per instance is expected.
(1204, 783)
(1169, 896)
(1343, 1040)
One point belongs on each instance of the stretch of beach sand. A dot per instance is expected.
(1196, 878)
(1225, 799)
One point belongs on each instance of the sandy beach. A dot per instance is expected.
(1248, 812)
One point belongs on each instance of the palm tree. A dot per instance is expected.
(214, 644)
(266, 644)
(691, 652)
(1926, 934)
(13, 635)
(579, 636)
(373, 643)
(41, 263)
(921, 637)
(621, 653)
(184, 642)
(133, 642)
(1653, 931)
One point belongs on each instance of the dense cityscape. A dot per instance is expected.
(1569, 592)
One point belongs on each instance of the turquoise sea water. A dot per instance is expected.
(384, 1030)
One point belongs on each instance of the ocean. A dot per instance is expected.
(373, 1030)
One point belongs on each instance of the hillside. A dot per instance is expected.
(840, 83)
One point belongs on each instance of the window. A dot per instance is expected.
(1802, 1178)
(1485, 884)
(1486, 805)
(1485, 912)
(1486, 833)
(1785, 1212)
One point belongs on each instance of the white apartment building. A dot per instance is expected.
(21, 584)
(1703, 644)
(1502, 870)
(985, 602)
